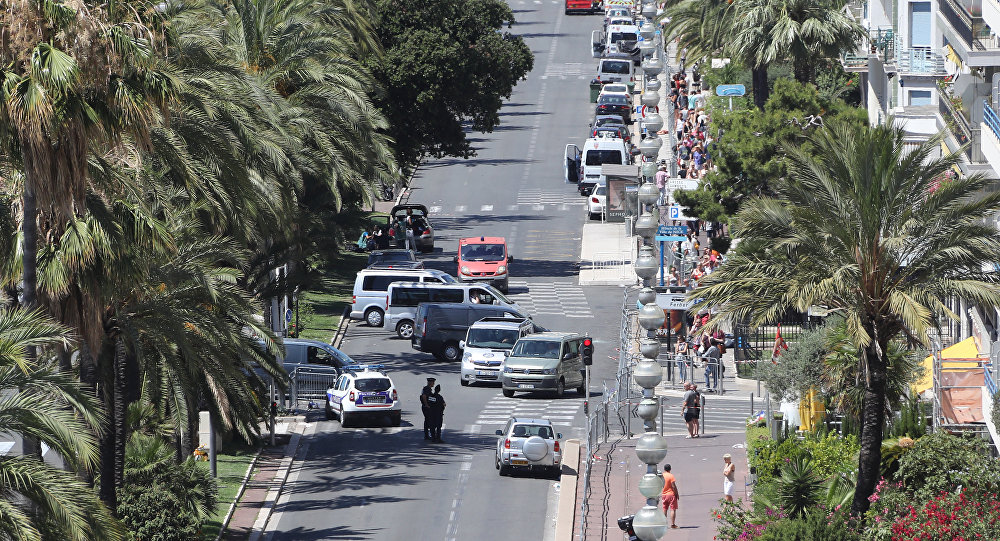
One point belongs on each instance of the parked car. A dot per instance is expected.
(617, 69)
(596, 202)
(486, 345)
(393, 259)
(608, 120)
(618, 105)
(371, 285)
(403, 298)
(439, 328)
(528, 443)
(617, 132)
(616, 88)
(423, 236)
(363, 390)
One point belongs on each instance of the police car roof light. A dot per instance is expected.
(364, 367)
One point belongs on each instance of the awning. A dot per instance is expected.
(966, 349)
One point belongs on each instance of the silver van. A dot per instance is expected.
(371, 285)
(548, 361)
(402, 299)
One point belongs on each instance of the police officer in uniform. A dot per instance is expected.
(425, 407)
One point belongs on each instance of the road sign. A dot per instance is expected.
(288, 315)
(730, 90)
(681, 184)
(676, 212)
(673, 301)
(672, 230)
(670, 238)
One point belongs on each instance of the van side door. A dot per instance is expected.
(574, 365)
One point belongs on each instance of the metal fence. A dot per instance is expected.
(307, 385)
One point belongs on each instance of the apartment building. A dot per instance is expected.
(935, 66)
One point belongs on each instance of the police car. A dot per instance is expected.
(363, 390)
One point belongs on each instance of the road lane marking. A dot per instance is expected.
(486, 208)
(460, 208)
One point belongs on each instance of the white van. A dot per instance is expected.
(622, 38)
(487, 344)
(402, 299)
(618, 69)
(370, 287)
(597, 152)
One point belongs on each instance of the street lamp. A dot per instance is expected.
(652, 67)
(648, 193)
(645, 227)
(649, 11)
(648, 170)
(646, 48)
(647, 30)
(650, 146)
(650, 98)
(653, 121)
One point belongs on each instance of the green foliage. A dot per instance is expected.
(940, 462)
(729, 74)
(446, 63)
(750, 156)
(892, 451)
(831, 454)
(798, 369)
(160, 499)
(815, 525)
(995, 410)
(798, 488)
(912, 421)
(720, 244)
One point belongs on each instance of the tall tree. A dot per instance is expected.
(447, 64)
(38, 501)
(74, 77)
(860, 226)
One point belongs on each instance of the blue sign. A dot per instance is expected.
(670, 238)
(672, 230)
(730, 90)
(288, 315)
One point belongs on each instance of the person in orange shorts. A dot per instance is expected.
(670, 495)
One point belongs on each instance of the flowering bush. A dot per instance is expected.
(738, 523)
(887, 503)
(950, 517)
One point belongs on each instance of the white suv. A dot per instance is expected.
(363, 390)
(487, 344)
(528, 443)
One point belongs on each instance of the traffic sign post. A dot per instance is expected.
(729, 91)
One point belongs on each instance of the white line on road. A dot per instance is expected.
(486, 208)
(460, 208)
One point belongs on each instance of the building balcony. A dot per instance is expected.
(966, 30)
(880, 43)
(920, 61)
(990, 136)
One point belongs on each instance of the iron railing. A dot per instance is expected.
(991, 119)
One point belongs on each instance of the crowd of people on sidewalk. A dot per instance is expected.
(694, 146)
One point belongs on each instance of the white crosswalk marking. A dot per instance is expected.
(550, 298)
(561, 411)
(539, 198)
(434, 209)
(486, 208)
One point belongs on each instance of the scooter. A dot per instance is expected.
(625, 525)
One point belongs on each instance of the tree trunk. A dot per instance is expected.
(872, 421)
(803, 71)
(103, 373)
(29, 256)
(120, 409)
(760, 89)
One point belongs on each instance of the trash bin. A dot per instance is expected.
(595, 90)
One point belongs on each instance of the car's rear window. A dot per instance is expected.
(526, 431)
(615, 66)
(601, 157)
(613, 99)
(372, 385)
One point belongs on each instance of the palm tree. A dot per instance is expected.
(860, 227)
(73, 79)
(804, 31)
(40, 403)
(701, 26)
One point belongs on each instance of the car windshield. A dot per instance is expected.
(615, 89)
(598, 190)
(390, 257)
(539, 349)
(615, 66)
(492, 338)
(372, 385)
(623, 36)
(601, 157)
(483, 252)
(527, 431)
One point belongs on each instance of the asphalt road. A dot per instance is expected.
(388, 483)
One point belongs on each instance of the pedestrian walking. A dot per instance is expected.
(425, 406)
(713, 356)
(728, 477)
(435, 405)
(661, 184)
(691, 410)
(670, 495)
(682, 357)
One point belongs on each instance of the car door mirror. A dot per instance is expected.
(558, 435)
(461, 344)
(499, 432)
(455, 259)
(510, 259)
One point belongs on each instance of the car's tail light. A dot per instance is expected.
(354, 299)
(557, 446)
(351, 396)
(424, 330)
(506, 443)
(395, 397)
(386, 302)
(594, 200)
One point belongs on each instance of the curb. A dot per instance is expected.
(345, 322)
(566, 515)
(239, 494)
(267, 506)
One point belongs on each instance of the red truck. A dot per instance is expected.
(582, 6)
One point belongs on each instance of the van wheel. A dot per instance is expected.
(560, 388)
(463, 382)
(451, 352)
(404, 329)
(509, 393)
(374, 317)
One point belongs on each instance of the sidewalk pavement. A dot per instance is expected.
(262, 489)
